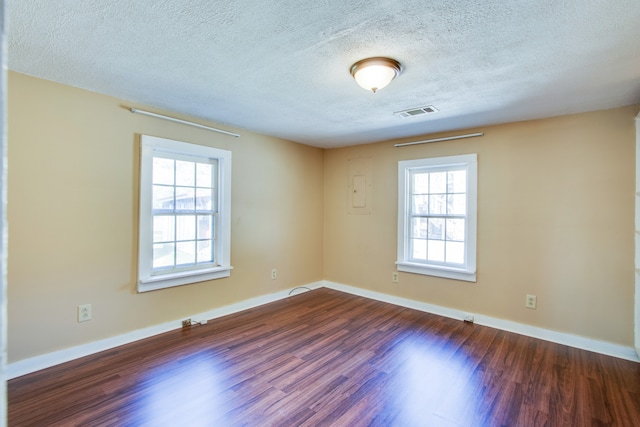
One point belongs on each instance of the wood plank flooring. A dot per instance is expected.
(326, 358)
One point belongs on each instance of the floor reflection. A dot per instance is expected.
(185, 392)
(434, 386)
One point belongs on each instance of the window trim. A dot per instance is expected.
(468, 271)
(147, 279)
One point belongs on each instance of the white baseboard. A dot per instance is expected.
(570, 340)
(48, 360)
(27, 366)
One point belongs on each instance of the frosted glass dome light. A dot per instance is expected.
(375, 73)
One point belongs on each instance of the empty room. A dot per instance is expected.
(335, 213)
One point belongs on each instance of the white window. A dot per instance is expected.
(437, 201)
(185, 200)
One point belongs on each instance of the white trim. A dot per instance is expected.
(187, 273)
(636, 305)
(27, 366)
(154, 283)
(431, 270)
(3, 212)
(584, 343)
(33, 364)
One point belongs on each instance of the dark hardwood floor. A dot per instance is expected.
(329, 358)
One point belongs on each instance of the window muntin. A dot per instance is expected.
(436, 216)
(185, 205)
(183, 210)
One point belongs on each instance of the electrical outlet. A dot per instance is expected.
(394, 277)
(186, 323)
(274, 274)
(531, 301)
(84, 312)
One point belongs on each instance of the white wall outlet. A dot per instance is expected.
(394, 277)
(531, 301)
(84, 312)
(467, 317)
(274, 274)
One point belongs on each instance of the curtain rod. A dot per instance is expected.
(448, 138)
(184, 122)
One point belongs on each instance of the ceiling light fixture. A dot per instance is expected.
(375, 73)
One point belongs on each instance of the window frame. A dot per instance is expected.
(466, 272)
(148, 279)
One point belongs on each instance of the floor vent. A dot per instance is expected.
(412, 112)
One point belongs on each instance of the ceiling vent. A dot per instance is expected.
(429, 109)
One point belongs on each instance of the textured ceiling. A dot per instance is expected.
(281, 67)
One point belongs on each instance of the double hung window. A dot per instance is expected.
(437, 216)
(184, 213)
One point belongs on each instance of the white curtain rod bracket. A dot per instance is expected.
(184, 122)
(448, 138)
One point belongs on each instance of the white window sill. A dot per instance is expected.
(431, 270)
(152, 283)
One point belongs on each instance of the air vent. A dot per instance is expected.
(429, 109)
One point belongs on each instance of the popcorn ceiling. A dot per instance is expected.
(281, 68)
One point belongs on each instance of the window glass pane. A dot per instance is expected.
(185, 173)
(455, 229)
(435, 250)
(420, 205)
(164, 228)
(185, 253)
(420, 183)
(455, 252)
(204, 251)
(419, 249)
(163, 255)
(436, 228)
(457, 182)
(162, 172)
(205, 226)
(437, 204)
(162, 197)
(419, 227)
(203, 199)
(203, 174)
(185, 198)
(438, 182)
(457, 204)
(185, 227)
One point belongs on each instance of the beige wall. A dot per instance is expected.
(73, 189)
(555, 219)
